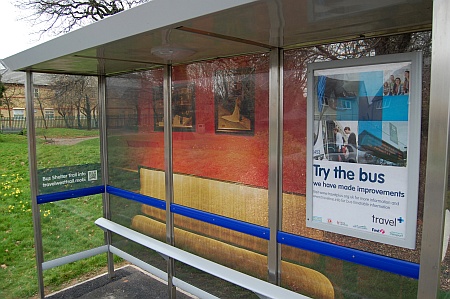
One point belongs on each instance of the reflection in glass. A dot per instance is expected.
(334, 278)
(211, 284)
(132, 140)
(68, 144)
(183, 107)
(234, 92)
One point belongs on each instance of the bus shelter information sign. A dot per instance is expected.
(363, 147)
(66, 178)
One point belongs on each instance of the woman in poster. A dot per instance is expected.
(398, 87)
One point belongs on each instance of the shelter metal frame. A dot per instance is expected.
(436, 186)
(428, 272)
(273, 233)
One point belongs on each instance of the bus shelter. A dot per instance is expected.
(224, 148)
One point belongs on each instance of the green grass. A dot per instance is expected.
(67, 226)
(65, 133)
(50, 155)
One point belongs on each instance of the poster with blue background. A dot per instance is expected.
(364, 133)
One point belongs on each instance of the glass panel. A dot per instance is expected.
(133, 141)
(131, 214)
(140, 252)
(220, 159)
(68, 145)
(334, 278)
(124, 210)
(68, 226)
(221, 166)
(351, 280)
(211, 284)
(294, 162)
(227, 247)
(135, 146)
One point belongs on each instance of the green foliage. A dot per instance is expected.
(67, 226)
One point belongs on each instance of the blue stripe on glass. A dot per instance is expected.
(379, 262)
(57, 196)
(151, 201)
(240, 226)
(375, 261)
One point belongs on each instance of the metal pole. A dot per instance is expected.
(275, 162)
(32, 160)
(167, 91)
(105, 168)
(437, 155)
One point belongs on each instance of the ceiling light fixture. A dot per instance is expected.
(171, 53)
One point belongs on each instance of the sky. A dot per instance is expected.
(16, 35)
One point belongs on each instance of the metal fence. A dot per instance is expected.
(17, 124)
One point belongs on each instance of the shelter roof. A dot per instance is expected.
(180, 31)
(12, 77)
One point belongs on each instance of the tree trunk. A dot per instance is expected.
(9, 113)
(80, 125)
(42, 113)
(88, 113)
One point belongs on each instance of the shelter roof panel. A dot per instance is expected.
(179, 31)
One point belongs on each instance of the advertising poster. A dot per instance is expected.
(364, 145)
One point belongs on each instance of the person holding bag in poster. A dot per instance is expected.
(339, 144)
(351, 140)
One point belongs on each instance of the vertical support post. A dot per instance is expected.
(437, 155)
(105, 168)
(167, 92)
(32, 160)
(275, 161)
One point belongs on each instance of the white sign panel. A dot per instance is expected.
(364, 145)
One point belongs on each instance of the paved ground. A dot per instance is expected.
(67, 141)
(129, 283)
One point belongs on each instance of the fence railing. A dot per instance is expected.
(16, 124)
(19, 123)
(12, 124)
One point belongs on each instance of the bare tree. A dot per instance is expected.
(8, 95)
(61, 16)
(84, 88)
(75, 96)
(62, 100)
(41, 108)
(299, 58)
(42, 97)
